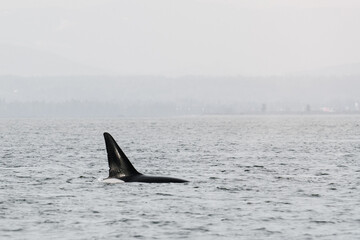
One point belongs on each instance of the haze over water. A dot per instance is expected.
(251, 177)
(199, 90)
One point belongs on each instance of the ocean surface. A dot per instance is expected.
(251, 177)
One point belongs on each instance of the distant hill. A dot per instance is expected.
(16, 60)
(200, 89)
(334, 71)
(161, 96)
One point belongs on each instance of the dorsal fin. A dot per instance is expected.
(119, 164)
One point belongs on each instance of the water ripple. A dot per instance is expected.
(287, 177)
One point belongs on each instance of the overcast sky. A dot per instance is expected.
(187, 37)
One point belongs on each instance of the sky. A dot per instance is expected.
(177, 38)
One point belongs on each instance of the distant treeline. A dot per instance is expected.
(99, 109)
(104, 96)
(106, 109)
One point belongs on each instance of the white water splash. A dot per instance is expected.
(110, 180)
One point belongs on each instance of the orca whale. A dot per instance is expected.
(121, 168)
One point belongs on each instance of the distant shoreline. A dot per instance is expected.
(189, 116)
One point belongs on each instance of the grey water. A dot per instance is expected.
(251, 177)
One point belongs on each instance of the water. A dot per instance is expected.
(251, 177)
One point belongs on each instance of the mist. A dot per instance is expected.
(176, 38)
(163, 96)
(141, 58)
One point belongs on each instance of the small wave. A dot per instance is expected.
(258, 166)
(13, 230)
(322, 222)
(322, 174)
(164, 194)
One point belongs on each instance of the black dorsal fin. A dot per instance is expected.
(119, 164)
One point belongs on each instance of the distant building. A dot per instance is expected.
(263, 108)
(327, 110)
